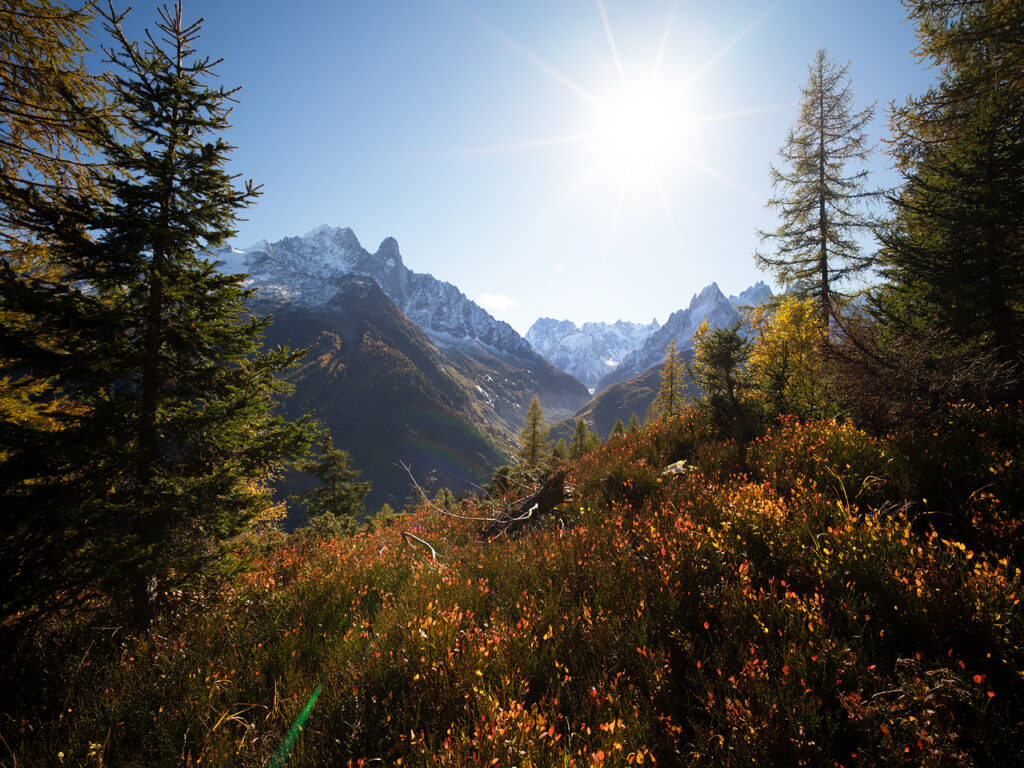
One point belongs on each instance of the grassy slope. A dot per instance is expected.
(619, 401)
(771, 617)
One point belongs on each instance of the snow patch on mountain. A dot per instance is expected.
(756, 294)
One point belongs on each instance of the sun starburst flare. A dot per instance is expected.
(638, 133)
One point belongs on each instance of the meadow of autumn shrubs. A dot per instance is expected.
(830, 598)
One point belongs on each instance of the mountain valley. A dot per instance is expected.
(404, 368)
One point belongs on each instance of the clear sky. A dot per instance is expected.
(565, 158)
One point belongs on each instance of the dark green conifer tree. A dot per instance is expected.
(584, 440)
(617, 429)
(340, 494)
(719, 370)
(578, 443)
(954, 253)
(176, 441)
(634, 423)
(384, 517)
(561, 450)
(818, 196)
(445, 499)
(533, 438)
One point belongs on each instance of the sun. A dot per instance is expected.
(638, 128)
(638, 140)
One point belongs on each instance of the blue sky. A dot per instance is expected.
(496, 141)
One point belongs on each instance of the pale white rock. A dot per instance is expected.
(756, 294)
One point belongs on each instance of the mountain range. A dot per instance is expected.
(591, 352)
(387, 394)
(405, 369)
(710, 304)
(303, 271)
(504, 371)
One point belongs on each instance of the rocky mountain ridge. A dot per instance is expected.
(501, 368)
(709, 304)
(589, 352)
(304, 271)
(388, 395)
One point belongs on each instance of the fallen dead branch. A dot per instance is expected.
(517, 515)
(435, 507)
(527, 512)
(412, 540)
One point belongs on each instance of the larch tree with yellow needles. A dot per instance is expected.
(786, 358)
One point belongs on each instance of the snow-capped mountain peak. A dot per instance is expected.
(260, 245)
(709, 290)
(587, 353)
(305, 271)
(756, 294)
(709, 304)
(323, 229)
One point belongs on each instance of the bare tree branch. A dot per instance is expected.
(407, 536)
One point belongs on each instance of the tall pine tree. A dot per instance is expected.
(533, 438)
(340, 493)
(818, 196)
(720, 371)
(176, 438)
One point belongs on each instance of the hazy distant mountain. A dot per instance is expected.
(756, 294)
(710, 304)
(306, 272)
(588, 353)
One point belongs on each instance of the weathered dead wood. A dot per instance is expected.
(412, 540)
(527, 512)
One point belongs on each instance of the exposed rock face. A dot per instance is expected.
(756, 294)
(304, 271)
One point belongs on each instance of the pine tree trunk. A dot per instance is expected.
(826, 297)
(144, 582)
(145, 603)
